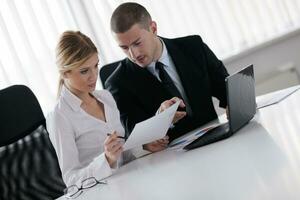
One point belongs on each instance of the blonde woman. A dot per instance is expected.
(82, 118)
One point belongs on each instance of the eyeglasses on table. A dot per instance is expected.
(74, 191)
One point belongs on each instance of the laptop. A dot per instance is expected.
(240, 89)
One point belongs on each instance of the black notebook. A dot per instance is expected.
(240, 90)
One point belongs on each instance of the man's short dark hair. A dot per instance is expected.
(128, 14)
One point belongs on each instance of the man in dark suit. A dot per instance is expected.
(157, 69)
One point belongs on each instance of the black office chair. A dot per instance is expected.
(28, 164)
(107, 70)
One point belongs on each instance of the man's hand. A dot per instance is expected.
(157, 145)
(113, 148)
(166, 104)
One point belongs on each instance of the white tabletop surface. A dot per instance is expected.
(259, 162)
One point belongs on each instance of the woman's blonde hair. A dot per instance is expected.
(72, 50)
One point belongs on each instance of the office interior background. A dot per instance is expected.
(264, 33)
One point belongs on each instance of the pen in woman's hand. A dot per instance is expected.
(122, 137)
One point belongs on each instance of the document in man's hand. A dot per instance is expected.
(151, 129)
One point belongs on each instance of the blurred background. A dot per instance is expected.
(264, 33)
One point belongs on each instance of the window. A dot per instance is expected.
(29, 31)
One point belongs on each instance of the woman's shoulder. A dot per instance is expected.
(58, 112)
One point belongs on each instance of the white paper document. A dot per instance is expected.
(181, 142)
(151, 129)
(275, 97)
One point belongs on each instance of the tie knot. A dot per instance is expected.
(159, 65)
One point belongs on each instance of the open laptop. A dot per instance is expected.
(240, 89)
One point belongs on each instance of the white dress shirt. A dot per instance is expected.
(78, 137)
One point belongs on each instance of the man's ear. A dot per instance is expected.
(153, 27)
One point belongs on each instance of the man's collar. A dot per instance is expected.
(164, 55)
(164, 58)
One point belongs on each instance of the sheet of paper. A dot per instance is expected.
(275, 97)
(151, 129)
(183, 141)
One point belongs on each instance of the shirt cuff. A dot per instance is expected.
(139, 152)
(101, 167)
(171, 126)
(157, 112)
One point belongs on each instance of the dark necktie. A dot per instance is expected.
(167, 81)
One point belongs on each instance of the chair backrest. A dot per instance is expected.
(107, 70)
(20, 113)
(28, 164)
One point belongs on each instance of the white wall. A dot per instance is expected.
(276, 63)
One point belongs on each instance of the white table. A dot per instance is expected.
(259, 162)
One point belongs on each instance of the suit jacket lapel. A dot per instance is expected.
(184, 68)
(144, 84)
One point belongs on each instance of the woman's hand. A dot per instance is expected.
(113, 148)
(166, 104)
(157, 145)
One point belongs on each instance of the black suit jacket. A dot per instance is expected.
(139, 94)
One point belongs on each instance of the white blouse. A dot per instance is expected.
(78, 137)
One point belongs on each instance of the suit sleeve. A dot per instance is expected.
(130, 112)
(217, 74)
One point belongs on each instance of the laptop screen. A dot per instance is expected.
(241, 98)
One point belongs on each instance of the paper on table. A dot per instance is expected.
(275, 97)
(151, 129)
(183, 141)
